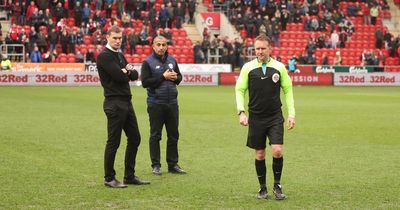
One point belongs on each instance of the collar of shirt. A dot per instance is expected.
(264, 65)
(110, 48)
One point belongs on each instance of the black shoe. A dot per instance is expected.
(278, 192)
(156, 170)
(262, 193)
(114, 184)
(176, 170)
(136, 181)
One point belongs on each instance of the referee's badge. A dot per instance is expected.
(171, 66)
(275, 77)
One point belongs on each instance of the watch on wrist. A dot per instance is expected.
(240, 112)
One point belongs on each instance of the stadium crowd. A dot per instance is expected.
(74, 30)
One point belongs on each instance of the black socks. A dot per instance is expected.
(261, 170)
(277, 165)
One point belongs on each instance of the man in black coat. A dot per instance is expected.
(115, 74)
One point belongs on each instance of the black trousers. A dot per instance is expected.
(120, 116)
(160, 115)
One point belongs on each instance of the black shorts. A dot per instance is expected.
(260, 129)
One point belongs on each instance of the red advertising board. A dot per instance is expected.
(305, 69)
(297, 78)
(311, 78)
(228, 78)
(212, 19)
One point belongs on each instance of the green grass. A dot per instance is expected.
(343, 154)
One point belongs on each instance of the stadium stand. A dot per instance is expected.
(290, 24)
(356, 22)
(89, 23)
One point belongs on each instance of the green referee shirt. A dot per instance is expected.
(264, 88)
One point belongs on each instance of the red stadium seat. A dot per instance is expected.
(147, 50)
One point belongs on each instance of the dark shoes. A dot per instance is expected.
(136, 181)
(176, 170)
(278, 192)
(114, 184)
(262, 193)
(156, 170)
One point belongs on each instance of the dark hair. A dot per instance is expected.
(159, 37)
(263, 37)
(115, 29)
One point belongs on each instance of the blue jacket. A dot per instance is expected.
(36, 57)
(159, 90)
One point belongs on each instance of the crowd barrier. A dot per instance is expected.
(76, 74)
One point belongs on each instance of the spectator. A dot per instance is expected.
(374, 13)
(334, 39)
(36, 56)
(163, 16)
(353, 9)
(59, 12)
(325, 60)
(79, 57)
(337, 59)
(86, 12)
(366, 17)
(5, 63)
(167, 34)
(311, 59)
(78, 13)
(292, 64)
(206, 34)
(342, 39)
(126, 20)
(192, 9)
(143, 37)
(199, 56)
(378, 38)
(133, 39)
(171, 15)
(179, 13)
(90, 56)
(73, 39)
(41, 42)
(64, 40)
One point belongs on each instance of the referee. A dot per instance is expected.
(115, 74)
(263, 77)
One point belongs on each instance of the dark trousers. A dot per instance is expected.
(120, 116)
(160, 115)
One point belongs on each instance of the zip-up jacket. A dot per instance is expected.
(159, 90)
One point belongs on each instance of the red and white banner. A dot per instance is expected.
(369, 79)
(192, 78)
(86, 79)
(212, 19)
(48, 79)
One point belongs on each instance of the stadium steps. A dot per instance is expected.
(193, 33)
(393, 24)
(192, 30)
(6, 25)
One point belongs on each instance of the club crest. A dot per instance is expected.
(275, 77)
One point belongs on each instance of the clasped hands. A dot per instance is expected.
(170, 75)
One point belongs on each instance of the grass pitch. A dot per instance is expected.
(343, 153)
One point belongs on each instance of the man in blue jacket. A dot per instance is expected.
(160, 75)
